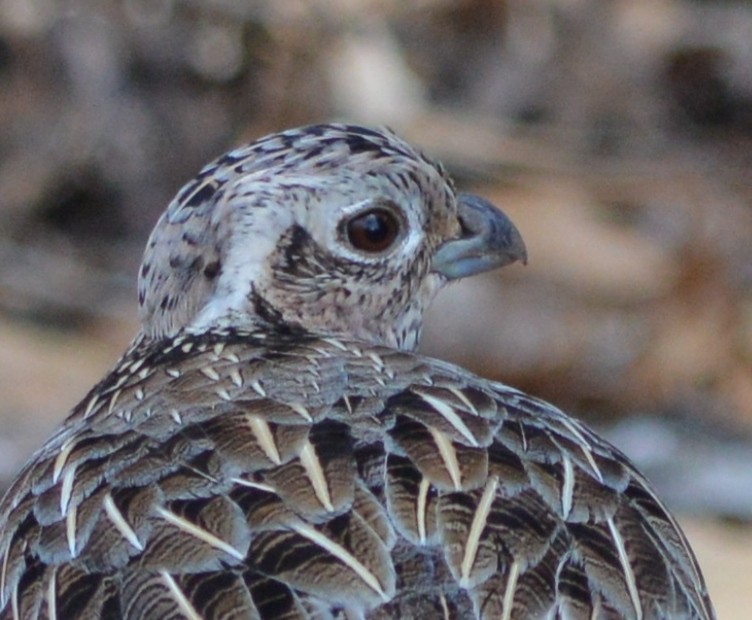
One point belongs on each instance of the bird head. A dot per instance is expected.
(329, 229)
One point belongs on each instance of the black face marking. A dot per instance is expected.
(302, 258)
(212, 269)
(298, 238)
(265, 311)
(271, 316)
(201, 195)
(360, 144)
(229, 159)
(313, 152)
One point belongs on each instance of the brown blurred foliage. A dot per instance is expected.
(616, 134)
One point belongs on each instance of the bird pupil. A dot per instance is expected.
(373, 231)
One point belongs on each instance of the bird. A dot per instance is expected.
(271, 446)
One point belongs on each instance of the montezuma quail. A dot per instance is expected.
(270, 447)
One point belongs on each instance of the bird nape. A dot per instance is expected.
(270, 446)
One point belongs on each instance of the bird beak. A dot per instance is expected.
(489, 240)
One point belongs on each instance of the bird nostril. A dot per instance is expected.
(466, 230)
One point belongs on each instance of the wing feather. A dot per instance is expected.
(233, 476)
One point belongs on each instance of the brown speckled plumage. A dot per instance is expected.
(270, 447)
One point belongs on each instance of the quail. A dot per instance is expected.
(270, 446)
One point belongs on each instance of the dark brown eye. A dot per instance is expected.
(373, 231)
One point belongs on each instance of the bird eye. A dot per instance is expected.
(373, 231)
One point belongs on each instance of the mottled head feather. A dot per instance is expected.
(252, 240)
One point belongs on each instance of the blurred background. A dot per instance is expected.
(617, 134)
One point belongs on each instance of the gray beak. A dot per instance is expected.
(489, 240)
